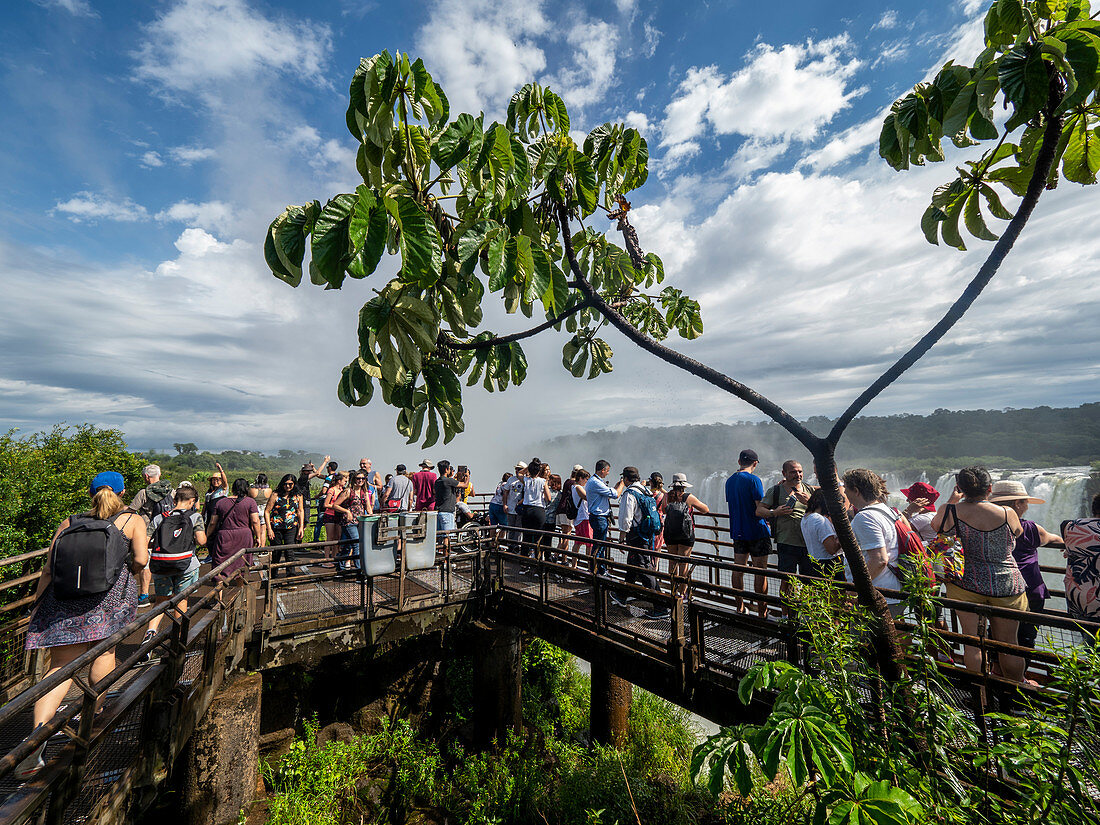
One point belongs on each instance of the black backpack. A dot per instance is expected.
(88, 557)
(158, 501)
(679, 528)
(566, 506)
(173, 545)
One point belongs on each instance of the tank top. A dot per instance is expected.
(357, 503)
(262, 495)
(990, 569)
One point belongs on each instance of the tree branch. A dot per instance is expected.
(1000, 250)
(708, 374)
(515, 336)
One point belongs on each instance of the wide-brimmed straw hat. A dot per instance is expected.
(1012, 491)
(680, 480)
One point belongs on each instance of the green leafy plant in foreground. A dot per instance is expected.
(925, 759)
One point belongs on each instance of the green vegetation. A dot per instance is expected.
(44, 479)
(925, 760)
(549, 773)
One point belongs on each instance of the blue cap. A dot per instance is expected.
(108, 478)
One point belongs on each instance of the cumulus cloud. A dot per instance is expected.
(152, 160)
(187, 155)
(483, 50)
(197, 44)
(780, 94)
(593, 44)
(90, 206)
(213, 215)
(639, 121)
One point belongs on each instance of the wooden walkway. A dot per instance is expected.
(104, 767)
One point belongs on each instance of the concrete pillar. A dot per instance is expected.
(609, 717)
(220, 762)
(498, 682)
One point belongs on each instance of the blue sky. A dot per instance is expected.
(147, 145)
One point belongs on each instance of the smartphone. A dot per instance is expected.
(791, 501)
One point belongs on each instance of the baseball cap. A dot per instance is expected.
(747, 457)
(521, 465)
(577, 467)
(108, 478)
(401, 468)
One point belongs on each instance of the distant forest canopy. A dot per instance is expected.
(905, 443)
(191, 463)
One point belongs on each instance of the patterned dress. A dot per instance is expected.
(58, 622)
(1082, 568)
(990, 569)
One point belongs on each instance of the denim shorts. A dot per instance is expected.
(445, 521)
(174, 585)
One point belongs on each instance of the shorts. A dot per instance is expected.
(444, 521)
(173, 585)
(497, 514)
(794, 559)
(564, 520)
(754, 547)
(961, 594)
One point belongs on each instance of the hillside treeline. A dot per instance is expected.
(946, 439)
(197, 465)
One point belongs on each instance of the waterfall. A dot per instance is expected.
(1063, 490)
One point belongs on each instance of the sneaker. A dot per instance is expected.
(30, 766)
(656, 613)
(615, 600)
(148, 655)
(144, 600)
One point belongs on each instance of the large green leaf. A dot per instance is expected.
(368, 229)
(331, 248)
(401, 328)
(285, 245)
(1022, 75)
(356, 387)
(1081, 160)
(420, 244)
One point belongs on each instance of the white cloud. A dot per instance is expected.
(786, 93)
(89, 206)
(753, 155)
(638, 120)
(77, 8)
(888, 20)
(586, 81)
(483, 50)
(152, 160)
(213, 215)
(187, 155)
(197, 44)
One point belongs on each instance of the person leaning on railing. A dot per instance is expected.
(70, 625)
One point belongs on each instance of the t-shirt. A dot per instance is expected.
(873, 528)
(301, 485)
(1026, 553)
(922, 523)
(787, 529)
(196, 522)
(630, 511)
(498, 496)
(815, 529)
(533, 495)
(424, 484)
(400, 487)
(581, 504)
(446, 494)
(514, 485)
(743, 490)
(599, 496)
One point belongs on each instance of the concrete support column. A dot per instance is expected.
(498, 682)
(220, 762)
(609, 718)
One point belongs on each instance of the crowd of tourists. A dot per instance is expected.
(103, 563)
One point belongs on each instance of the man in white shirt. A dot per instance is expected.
(873, 525)
(513, 498)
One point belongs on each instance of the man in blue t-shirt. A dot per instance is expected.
(600, 494)
(752, 542)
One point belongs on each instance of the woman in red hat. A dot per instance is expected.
(921, 508)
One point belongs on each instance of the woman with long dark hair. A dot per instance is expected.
(285, 520)
(235, 526)
(261, 491)
(358, 501)
(987, 533)
(334, 514)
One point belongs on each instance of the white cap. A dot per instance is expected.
(577, 467)
(521, 465)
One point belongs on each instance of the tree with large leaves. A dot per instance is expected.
(470, 209)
